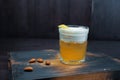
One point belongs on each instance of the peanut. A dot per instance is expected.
(47, 62)
(28, 69)
(40, 60)
(32, 60)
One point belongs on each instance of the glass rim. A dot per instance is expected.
(70, 31)
(78, 26)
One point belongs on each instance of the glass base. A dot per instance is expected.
(72, 62)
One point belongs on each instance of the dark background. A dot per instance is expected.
(40, 18)
(105, 20)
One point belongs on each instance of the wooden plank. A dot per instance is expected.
(3, 18)
(40, 18)
(80, 12)
(94, 63)
(105, 20)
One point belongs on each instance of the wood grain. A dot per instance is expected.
(95, 64)
(105, 20)
(40, 18)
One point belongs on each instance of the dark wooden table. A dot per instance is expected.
(96, 67)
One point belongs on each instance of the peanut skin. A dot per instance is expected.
(40, 60)
(32, 60)
(47, 62)
(28, 69)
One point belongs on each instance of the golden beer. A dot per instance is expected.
(72, 53)
(73, 44)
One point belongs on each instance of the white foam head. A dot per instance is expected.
(74, 34)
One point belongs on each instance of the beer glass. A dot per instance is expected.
(73, 44)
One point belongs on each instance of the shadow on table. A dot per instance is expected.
(111, 75)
